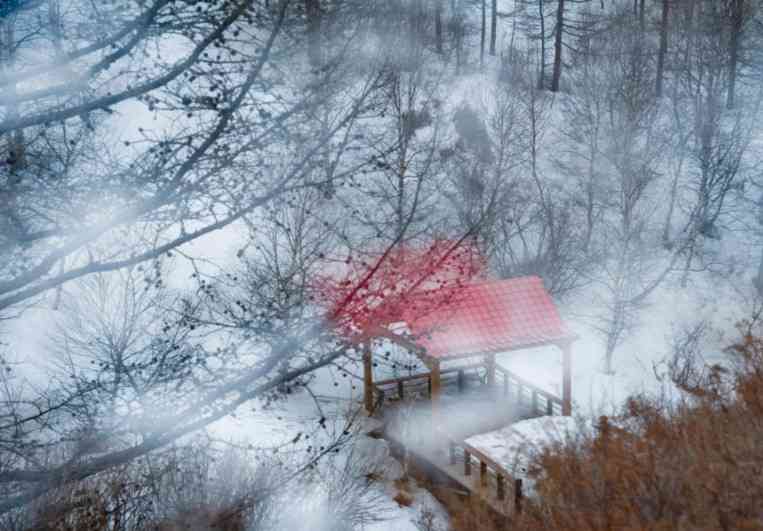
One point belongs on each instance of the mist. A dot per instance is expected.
(223, 223)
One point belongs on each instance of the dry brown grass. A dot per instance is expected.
(695, 463)
(206, 519)
(469, 513)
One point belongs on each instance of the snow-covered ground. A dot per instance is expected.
(669, 310)
(667, 313)
(336, 398)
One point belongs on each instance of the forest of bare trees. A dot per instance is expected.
(176, 174)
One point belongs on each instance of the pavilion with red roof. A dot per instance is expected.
(483, 319)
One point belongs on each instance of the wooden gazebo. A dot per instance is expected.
(485, 318)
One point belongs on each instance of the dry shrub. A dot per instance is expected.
(692, 463)
(470, 513)
(403, 499)
(111, 501)
(190, 488)
(207, 519)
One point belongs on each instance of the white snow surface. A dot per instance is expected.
(514, 446)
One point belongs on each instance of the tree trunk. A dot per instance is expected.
(663, 46)
(483, 32)
(313, 12)
(671, 208)
(558, 33)
(493, 26)
(16, 156)
(438, 24)
(542, 73)
(737, 15)
(758, 279)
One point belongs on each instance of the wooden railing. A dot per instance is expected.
(400, 383)
(539, 401)
(491, 481)
(491, 474)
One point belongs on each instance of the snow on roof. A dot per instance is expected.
(490, 316)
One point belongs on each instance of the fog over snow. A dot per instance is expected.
(185, 185)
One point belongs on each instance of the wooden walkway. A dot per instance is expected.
(504, 500)
(468, 406)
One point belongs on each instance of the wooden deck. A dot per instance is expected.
(468, 406)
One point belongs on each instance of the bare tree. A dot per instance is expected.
(164, 180)
(625, 131)
(663, 50)
(571, 22)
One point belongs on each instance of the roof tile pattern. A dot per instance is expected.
(488, 317)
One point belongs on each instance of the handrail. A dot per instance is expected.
(526, 391)
(533, 390)
(400, 382)
(425, 375)
(486, 466)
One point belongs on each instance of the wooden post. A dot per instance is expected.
(566, 378)
(518, 495)
(368, 378)
(483, 474)
(460, 380)
(490, 363)
(549, 406)
(435, 379)
(501, 486)
(467, 463)
(400, 389)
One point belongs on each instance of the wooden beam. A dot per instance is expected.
(398, 339)
(368, 378)
(518, 495)
(425, 375)
(501, 487)
(566, 378)
(435, 379)
(421, 352)
(490, 364)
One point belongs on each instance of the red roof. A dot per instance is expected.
(488, 317)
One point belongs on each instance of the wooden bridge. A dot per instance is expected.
(439, 443)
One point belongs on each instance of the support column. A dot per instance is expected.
(566, 378)
(368, 378)
(435, 379)
(490, 364)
